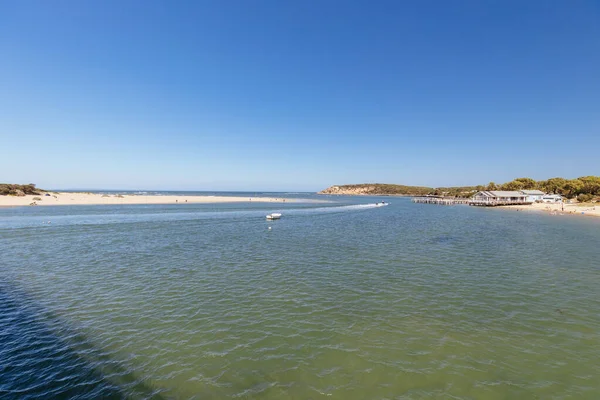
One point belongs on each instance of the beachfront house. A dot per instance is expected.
(552, 198)
(533, 195)
(499, 198)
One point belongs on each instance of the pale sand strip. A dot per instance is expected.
(557, 209)
(64, 199)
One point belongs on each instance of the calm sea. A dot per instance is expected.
(342, 300)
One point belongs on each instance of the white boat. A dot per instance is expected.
(383, 203)
(274, 216)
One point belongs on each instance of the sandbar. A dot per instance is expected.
(70, 198)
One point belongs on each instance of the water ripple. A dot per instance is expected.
(401, 302)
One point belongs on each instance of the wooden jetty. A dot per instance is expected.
(444, 201)
(481, 199)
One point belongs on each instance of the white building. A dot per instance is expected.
(533, 195)
(552, 198)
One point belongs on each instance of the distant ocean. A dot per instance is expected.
(199, 193)
(340, 300)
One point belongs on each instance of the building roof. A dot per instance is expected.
(502, 193)
(506, 193)
(532, 192)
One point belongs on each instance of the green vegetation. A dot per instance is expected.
(588, 186)
(9, 189)
(585, 188)
(458, 191)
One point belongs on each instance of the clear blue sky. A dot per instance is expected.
(297, 95)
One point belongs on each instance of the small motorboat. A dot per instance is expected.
(274, 216)
(383, 203)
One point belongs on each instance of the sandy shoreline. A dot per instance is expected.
(66, 198)
(557, 209)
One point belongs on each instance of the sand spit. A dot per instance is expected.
(67, 198)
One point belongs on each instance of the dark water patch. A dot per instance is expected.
(41, 358)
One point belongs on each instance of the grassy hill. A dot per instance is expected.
(378, 189)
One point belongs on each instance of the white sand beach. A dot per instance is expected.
(67, 198)
(589, 209)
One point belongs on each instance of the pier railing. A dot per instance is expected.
(449, 201)
(496, 203)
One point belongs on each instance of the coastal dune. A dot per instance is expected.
(67, 198)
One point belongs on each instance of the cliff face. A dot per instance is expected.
(374, 189)
(349, 189)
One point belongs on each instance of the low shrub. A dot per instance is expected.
(11, 189)
(585, 197)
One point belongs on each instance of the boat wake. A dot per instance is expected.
(353, 207)
(334, 209)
